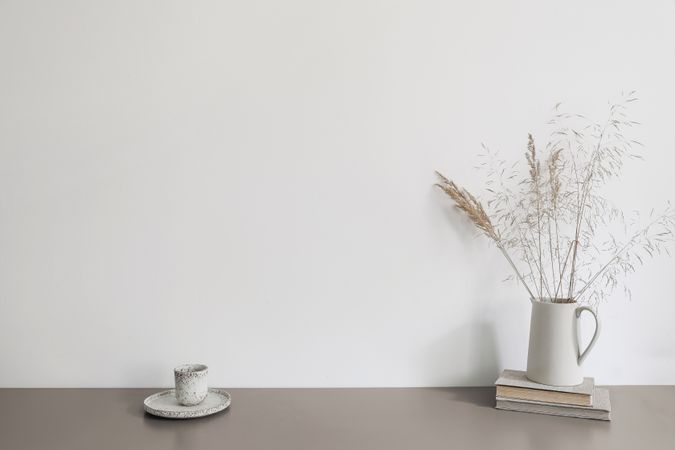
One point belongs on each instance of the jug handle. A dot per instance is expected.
(584, 354)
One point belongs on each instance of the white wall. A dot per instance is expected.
(248, 184)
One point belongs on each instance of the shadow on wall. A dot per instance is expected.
(465, 356)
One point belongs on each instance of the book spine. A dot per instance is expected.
(553, 410)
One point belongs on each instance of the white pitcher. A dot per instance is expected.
(554, 356)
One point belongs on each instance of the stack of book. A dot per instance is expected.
(516, 393)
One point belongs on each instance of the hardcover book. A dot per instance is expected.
(513, 384)
(600, 410)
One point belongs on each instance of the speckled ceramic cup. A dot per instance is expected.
(191, 383)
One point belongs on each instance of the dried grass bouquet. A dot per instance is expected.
(553, 225)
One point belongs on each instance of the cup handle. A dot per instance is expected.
(584, 354)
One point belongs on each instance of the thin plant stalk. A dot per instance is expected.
(543, 210)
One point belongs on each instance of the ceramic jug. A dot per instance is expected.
(554, 356)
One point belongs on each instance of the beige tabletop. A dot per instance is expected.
(326, 419)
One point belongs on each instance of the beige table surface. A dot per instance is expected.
(297, 419)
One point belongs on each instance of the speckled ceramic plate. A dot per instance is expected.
(164, 404)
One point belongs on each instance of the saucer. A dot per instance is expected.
(164, 404)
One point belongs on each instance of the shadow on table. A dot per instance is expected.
(482, 396)
(478, 396)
